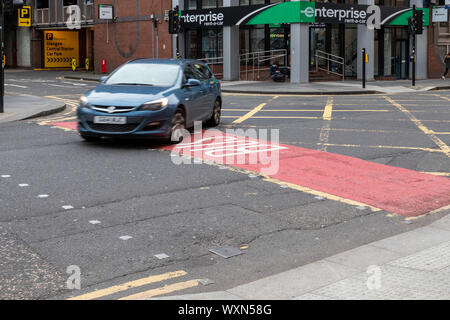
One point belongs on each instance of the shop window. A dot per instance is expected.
(42, 4)
(257, 39)
(207, 4)
(212, 43)
(190, 4)
(69, 3)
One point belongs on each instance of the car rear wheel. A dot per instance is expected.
(178, 127)
(215, 117)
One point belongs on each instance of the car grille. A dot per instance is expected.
(119, 109)
(111, 128)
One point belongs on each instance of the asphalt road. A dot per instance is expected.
(133, 189)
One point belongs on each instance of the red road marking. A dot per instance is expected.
(67, 125)
(397, 190)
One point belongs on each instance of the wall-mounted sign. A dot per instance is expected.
(439, 14)
(60, 48)
(297, 12)
(105, 11)
(24, 19)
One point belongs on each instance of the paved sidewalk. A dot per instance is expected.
(312, 88)
(412, 265)
(334, 87)
(20, 107)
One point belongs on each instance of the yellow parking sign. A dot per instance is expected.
(24, 16)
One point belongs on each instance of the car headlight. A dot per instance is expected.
(154, 105)
(84, 102)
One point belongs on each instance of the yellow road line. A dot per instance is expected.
(163, 290)
(328, 109)
(442, 174)
(442, 97)
(381, 147)
(309, 110)
(129, 285)
(445, 148)
(249, 114)
(322, 194)
(325, 131)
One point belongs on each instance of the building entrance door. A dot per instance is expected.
(400, 60)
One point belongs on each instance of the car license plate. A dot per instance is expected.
(107, 119)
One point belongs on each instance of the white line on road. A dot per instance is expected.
(15, 85)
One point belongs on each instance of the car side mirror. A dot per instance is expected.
(192, 83)
(102, 79)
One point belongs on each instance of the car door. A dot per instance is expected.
(209, 84)
(192, 96)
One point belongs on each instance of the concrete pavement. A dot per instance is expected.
(411, 265)
(20, 107)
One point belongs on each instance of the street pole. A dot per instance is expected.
(414, 52)
(363, 68)
(2, 71)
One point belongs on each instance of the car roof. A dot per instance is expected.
(164, 61)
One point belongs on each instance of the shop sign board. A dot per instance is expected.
(105, 12)
(298, 12)
(439, 14)
(60, 48)
(24, 19)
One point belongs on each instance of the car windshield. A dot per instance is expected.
(161, 75)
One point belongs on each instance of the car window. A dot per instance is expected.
(189, 73)
(203, 71)
(145, 74)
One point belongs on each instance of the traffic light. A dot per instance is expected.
(8, 7)
(418, 21)
(174, 21)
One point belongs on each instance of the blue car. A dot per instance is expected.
(151, 98)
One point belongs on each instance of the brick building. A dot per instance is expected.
(55, 37)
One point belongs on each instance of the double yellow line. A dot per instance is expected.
(142, 282)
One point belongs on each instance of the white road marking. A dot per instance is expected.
(94, 221)
(6, 176)
(23, 184)
(67, 207)
(42, 196)
(15, 85)
(125, 237)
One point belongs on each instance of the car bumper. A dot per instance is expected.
(144, 124)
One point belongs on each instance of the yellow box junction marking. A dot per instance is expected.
(250, 114)
(445, 148)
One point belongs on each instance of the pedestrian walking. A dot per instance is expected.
(447, 65)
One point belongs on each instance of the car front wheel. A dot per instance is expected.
(215, 117)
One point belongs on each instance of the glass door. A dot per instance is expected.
(317, 42)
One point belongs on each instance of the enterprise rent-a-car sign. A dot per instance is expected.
(299, 12)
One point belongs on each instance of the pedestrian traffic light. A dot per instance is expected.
(8, 7)
(418, 21)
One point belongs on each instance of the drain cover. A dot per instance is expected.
(226, 251)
